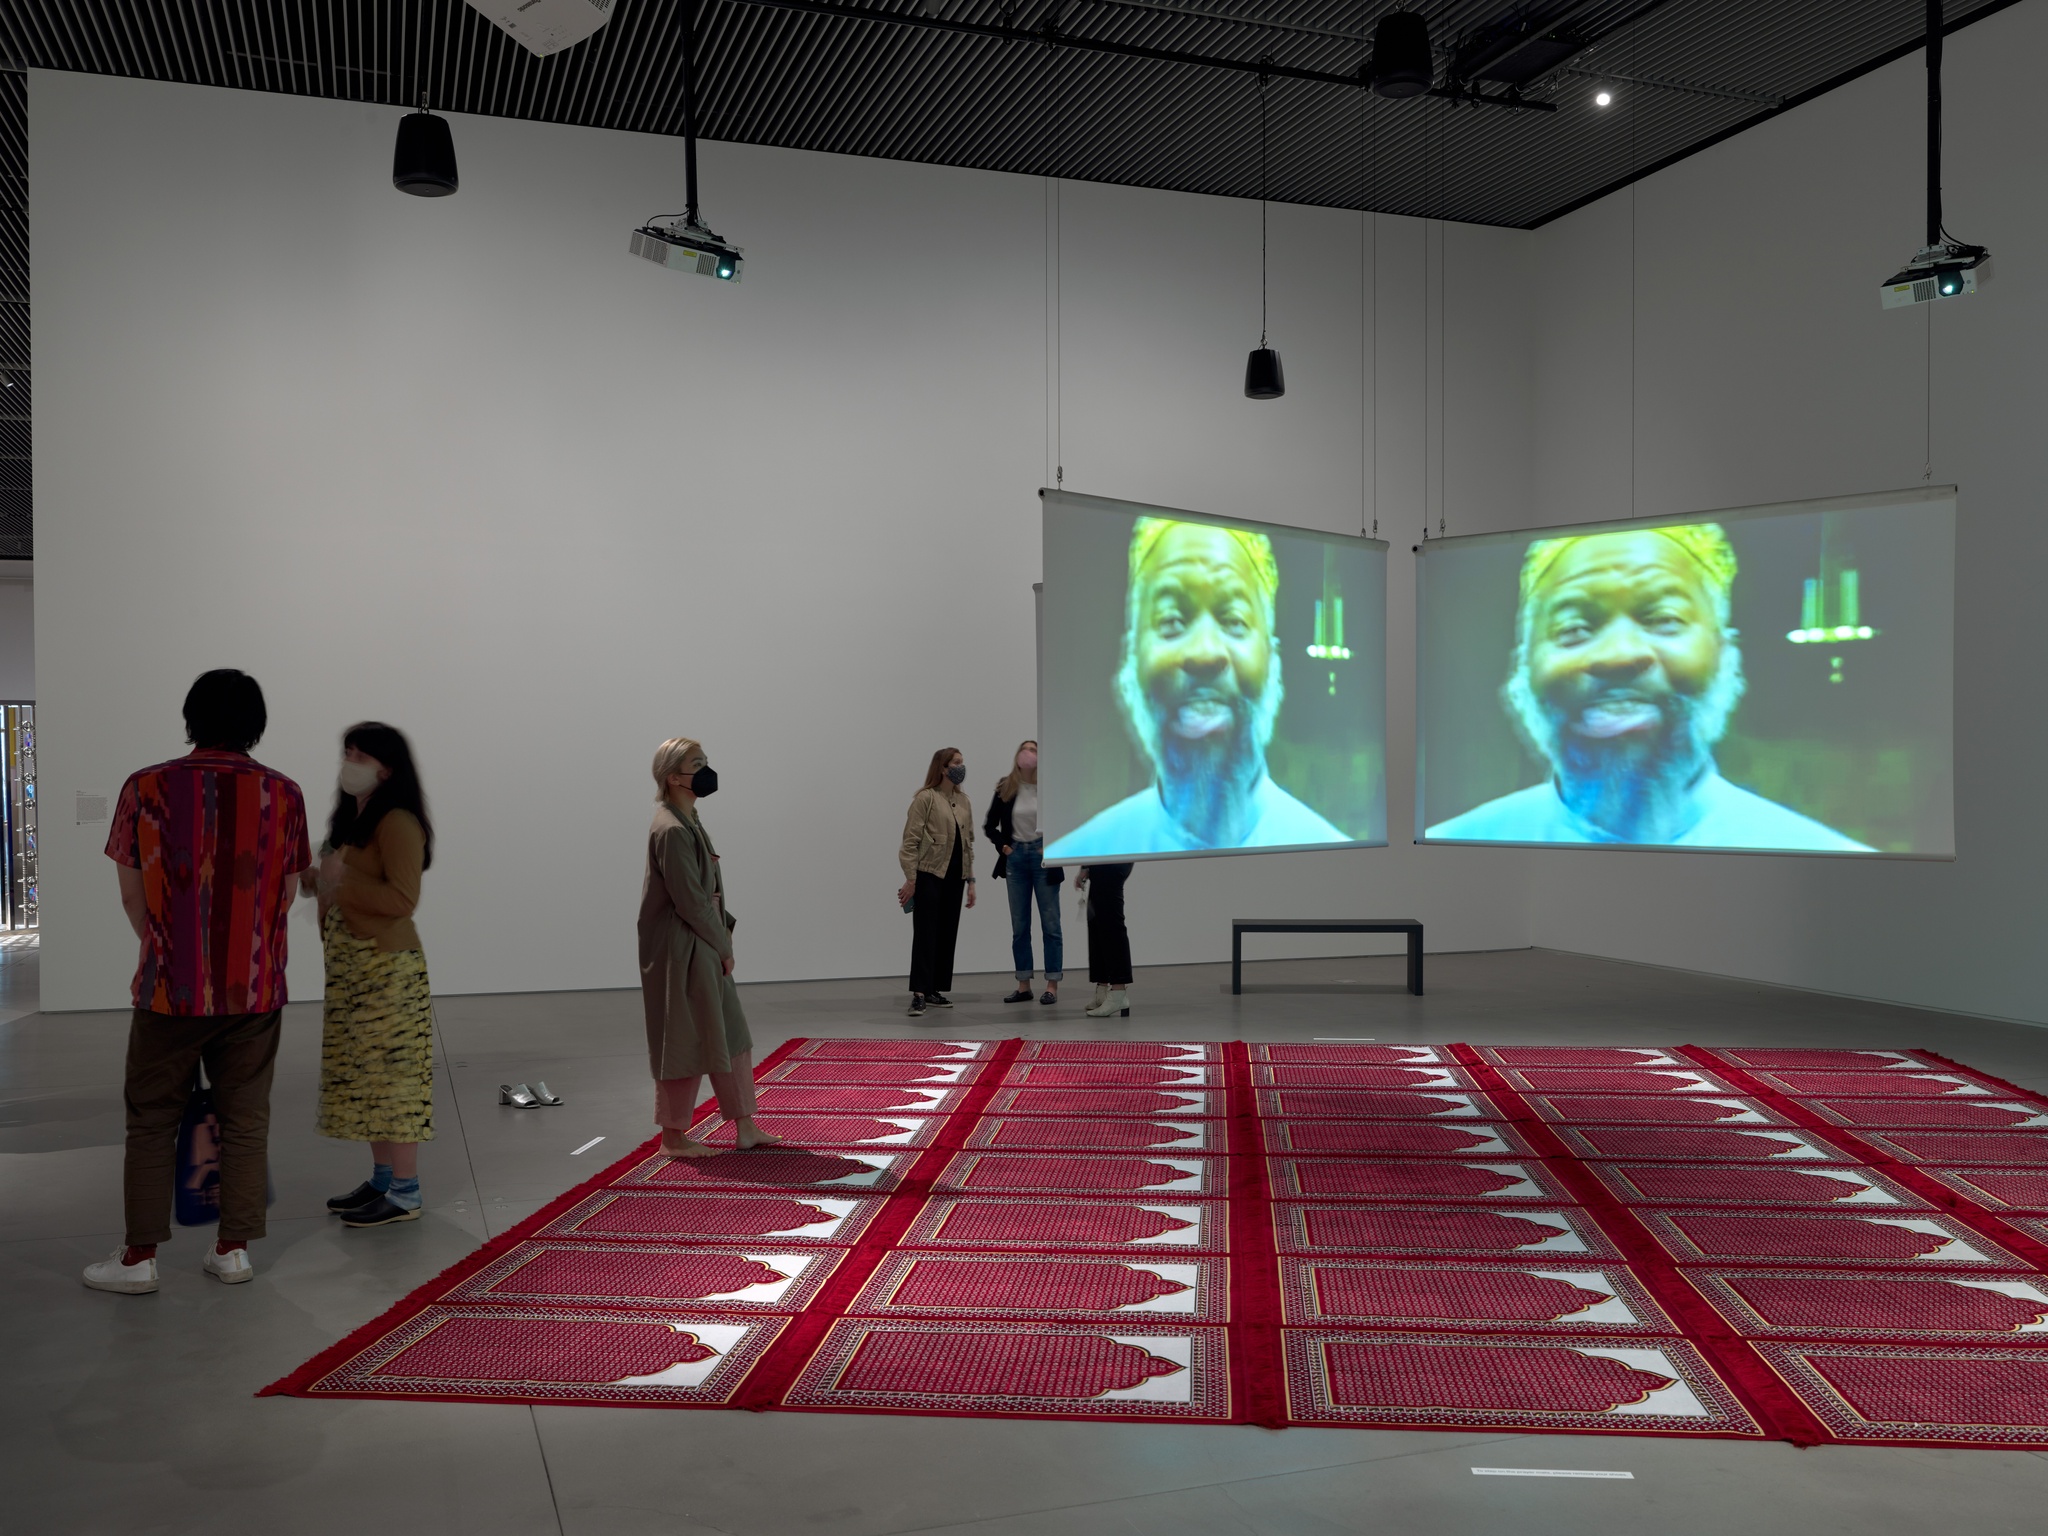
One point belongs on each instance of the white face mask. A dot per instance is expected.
(358, 778)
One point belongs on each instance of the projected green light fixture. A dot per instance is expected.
(1329, 645)
(1831, 609)
(1263, 379)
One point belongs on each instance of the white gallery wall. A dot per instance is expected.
(1762, 369)
(17, 630)
(467, 466)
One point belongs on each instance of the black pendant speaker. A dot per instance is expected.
(1263, 379)
(1402, 64)
(424, 161)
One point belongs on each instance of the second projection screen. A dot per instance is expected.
(1772, 679)
(1207, 685)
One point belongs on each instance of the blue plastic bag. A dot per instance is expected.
(197, 1166)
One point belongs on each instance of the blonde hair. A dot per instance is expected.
(1006, 788)
(669, 758)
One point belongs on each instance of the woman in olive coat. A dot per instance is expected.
(695, 1024)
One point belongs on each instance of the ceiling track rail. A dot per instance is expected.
(1049, 35)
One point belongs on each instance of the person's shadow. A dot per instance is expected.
(781, 1167)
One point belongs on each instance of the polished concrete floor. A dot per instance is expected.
(136, 1415)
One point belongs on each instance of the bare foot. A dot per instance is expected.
(749, 1134)
(685, 1147)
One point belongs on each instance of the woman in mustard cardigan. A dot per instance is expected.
(377, 1036)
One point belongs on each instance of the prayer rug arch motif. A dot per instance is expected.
(1753, 1242)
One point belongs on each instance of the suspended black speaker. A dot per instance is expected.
(1402, 65)
(424, 161)
(1263, 379)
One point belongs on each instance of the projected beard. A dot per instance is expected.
(1625, 679)
(1200, 680)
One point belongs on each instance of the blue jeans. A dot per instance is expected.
(1027, 877)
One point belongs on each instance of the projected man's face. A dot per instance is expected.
(1201, 680)
(1623, 635)
(1203, 646)
(1627, 680)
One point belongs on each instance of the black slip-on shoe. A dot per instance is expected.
(937, 1000)
(379, 1213)
(362, 1195)
(1021, 995)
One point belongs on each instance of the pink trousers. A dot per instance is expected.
(675, 1098)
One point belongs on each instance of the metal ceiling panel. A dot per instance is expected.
(867, 84)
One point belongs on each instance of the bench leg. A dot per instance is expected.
(1415, 961)
(1236, 961)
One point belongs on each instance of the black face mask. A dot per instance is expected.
(704, 781)
(957, 774)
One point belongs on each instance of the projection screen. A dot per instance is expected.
(1769, 679)
(1207, 685)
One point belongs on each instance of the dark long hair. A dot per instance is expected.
(352, 828)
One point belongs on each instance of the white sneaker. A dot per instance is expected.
(230, 1268)
(110, 1274)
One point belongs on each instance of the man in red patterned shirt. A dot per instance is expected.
(210, 846)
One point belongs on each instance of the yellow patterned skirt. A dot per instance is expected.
(377, 1041)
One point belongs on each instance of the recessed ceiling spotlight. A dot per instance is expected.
(1603, 99)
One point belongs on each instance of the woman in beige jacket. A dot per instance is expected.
(937, 857)
(695, 1024)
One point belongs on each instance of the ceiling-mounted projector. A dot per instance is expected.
(546, 26)
(1944, 271)
(1945, 267)
(685, 245)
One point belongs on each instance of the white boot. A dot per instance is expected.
(1117, 1004)
(1101, 996)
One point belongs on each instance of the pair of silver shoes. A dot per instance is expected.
(525, 1097)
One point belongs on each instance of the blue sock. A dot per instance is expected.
(404, 1193)
(380, 1177)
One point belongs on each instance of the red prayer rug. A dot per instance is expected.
(1811, 1245)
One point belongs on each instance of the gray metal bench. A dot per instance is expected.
(1240, 926)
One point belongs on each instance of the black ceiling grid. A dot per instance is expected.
(841, 76)
(17, 530)
(850, 85)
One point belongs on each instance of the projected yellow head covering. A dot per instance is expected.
(1704, 542)
(1254, 552)
(1256, 549)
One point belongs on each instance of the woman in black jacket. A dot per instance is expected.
(1012, 827)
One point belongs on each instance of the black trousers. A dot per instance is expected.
(1109, 941)
(934, 931)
